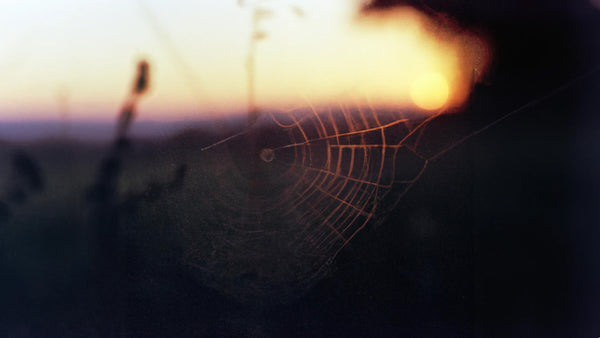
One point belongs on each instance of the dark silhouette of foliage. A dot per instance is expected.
(5, 212)
(26, 177)
(28, 170)
(142, 83)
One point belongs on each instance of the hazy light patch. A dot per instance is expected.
(430, 57)
(337, 56)
(429, 91)
(197, 54)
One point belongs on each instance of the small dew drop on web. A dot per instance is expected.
(267, 155)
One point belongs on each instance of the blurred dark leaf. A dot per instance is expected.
(5, 212)
(28, 170)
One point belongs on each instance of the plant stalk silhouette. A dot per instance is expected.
(259, 13)
(104, 202)
(107, 206)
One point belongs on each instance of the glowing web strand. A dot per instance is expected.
(522, 108)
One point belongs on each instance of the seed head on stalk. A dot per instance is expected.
(260, 11)
(140, 86)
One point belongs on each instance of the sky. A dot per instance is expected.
(76, 59)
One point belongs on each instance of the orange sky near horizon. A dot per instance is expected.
(68, 58)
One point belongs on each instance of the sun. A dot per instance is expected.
(429, 91)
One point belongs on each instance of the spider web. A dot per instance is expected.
(274, 204)
(286, 197)
(344, 164)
